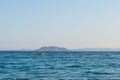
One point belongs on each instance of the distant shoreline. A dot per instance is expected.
(53, 51)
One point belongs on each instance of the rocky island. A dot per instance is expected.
(52, 48)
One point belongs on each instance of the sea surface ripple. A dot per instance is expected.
(23, 65)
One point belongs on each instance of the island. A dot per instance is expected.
(52, 48)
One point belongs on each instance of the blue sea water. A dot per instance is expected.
(23, 65)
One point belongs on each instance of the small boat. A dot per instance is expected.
(42, 53)
(39, 53)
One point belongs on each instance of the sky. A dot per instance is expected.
(31, 24)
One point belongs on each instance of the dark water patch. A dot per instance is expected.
(73, 66)
(2, 66)
(11, 63)
(113, 65)
(22, 79)
(61, 79)
(43, 76)
(99, 73)
(68, 79)
(4, 71)
(7, 79)
(24, 68)
(50, 68)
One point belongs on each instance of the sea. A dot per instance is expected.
(72, 65)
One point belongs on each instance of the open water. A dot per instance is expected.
(23, 65)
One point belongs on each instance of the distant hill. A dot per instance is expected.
(52, 48)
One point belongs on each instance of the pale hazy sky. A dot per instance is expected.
(66, 23)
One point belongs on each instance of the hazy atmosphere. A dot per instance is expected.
(72, 24)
